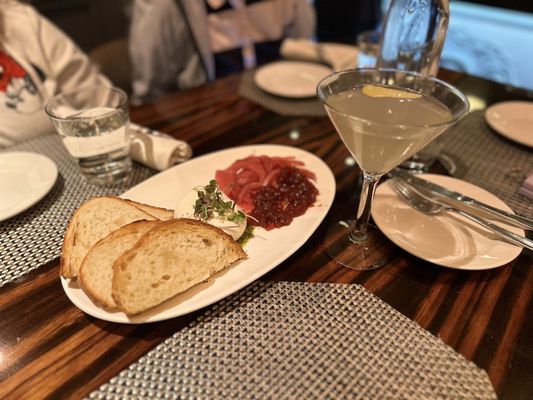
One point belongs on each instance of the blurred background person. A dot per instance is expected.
(37, 61)
(178, 44)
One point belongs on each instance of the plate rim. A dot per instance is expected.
(501, 130)
(398, 242)
(150, 317)
(277, 64)
(51, 173)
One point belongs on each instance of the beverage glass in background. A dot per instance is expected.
(94, 125)
(425, 158)
(368, 44)
(413, 37)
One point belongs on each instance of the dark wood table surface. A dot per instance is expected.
(51, 349)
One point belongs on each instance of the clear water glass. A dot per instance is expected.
(368, 45)
(94, 125)
(413, 35)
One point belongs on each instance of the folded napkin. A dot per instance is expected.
(338, 56)
(157, 150)
(527, 187)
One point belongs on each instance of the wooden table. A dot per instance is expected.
(50, 349)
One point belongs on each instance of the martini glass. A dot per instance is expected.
(383, 116)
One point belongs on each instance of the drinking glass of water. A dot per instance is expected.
(368, 44)
(94, 125)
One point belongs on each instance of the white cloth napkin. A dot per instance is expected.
(156, 150)
(338, 56)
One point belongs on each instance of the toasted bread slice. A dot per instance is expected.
(160, 213)
(96, 271)
(169, 259)
(94, 220)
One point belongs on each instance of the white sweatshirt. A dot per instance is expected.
(37, 61)
(173, 42)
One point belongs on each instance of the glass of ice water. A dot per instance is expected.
(368, 44)
(94, 125)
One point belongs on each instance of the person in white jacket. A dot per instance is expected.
(179, 44)
(37, 61)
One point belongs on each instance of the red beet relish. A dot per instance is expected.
(277, 205)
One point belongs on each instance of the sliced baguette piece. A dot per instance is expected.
(160, 213)
(96, 271)
(94, 220)
(169, 259)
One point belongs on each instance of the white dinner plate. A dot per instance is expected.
(296, 79)
(25, 178)
(512, 119)
(447, 239)
(265, 251)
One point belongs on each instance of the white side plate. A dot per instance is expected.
(447, 239)
(25, 178)
(512, 119)
(296, 79)
(265, 251)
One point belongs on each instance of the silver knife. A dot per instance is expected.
(444, 195)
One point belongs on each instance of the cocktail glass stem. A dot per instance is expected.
(360, 232)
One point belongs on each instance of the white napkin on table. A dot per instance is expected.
(156, 150)
(338, 56)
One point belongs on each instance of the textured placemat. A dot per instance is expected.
(488, 160)
(34, 237)
(301, 341)
(291, 107)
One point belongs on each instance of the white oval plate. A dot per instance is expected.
(291, 78)
(265, 251)
(448, 239)
(512, 119)
(25, 178)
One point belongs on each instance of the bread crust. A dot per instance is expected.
(69, 265)
(131, 233)
(129, 274)
(163, 214)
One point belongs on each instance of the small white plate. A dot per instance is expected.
(296, 79)
(265, 251)
(25, 178)
(512, 119)
(447, 239)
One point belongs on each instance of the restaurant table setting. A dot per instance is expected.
(287, 322)
(483, 164)
(34, 237)
(288, 87)
(487, 159)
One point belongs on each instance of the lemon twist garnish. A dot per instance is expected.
(382, 91)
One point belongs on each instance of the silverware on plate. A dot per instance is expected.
(456, 200)
(432, 206)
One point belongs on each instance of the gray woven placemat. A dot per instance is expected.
(292, 107)
(488, 160)
(34, 237)
(301, 341)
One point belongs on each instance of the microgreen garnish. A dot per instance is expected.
(247, 235)
(210, 201)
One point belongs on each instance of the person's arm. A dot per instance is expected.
(68, 66)
(304, 20)
(162, 51)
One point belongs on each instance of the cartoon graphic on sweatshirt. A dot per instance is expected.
(17, 91)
